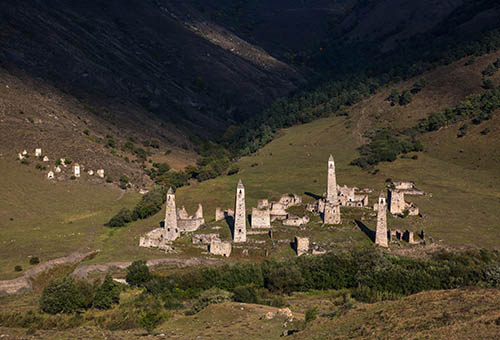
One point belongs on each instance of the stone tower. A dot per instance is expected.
(171, 231)
(331, 187)
(331, 213)
(240, 215)
(396, 200)
(381, 234)
(331, 208)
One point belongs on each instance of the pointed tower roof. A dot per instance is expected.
(170, 191)
(240, 184)
(330, 159)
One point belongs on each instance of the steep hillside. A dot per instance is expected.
(135, 53)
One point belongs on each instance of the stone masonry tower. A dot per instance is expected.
(331, 187)
(240, 215)
(171, 231)
(381, 234)
(331, 210)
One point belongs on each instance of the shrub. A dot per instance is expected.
(34, 260)
(109, 179)
(124, 181)
(61, 296)
(86, 132)
(123, 217)
(485, 131)
(68, 160)
(247, 294)
(18, 268)
(211, 296)
(107, 294)
(138, 273)
(151, 318)
(311, 315)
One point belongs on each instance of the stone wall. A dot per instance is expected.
(295, 221)
(301, 245)
(261, 218)
(204, 238)
(218, 247)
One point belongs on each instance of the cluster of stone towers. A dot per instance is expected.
(331, 210)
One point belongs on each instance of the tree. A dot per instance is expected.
(124, 181)
(151, 318)
(61, 296)
(107, 294)
(138, 273)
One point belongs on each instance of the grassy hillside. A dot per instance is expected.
(459, 175)
(456, 314)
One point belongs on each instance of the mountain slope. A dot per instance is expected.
(134, 52)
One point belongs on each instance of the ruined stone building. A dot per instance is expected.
(38, 152)
(240, 215)
(188, 223)
(50, 175)
(301, 245)
(348, 197)
(397, 204)
(218, 247)
(100, 173)
(171, 230)
(204, 238)
(295, 221)
(223, 214)
(381, 232)
(261, 216)
(76, 170)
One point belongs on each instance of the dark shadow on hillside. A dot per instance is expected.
(310, 194)
(370, 233)
(230, 222)
(162, 224)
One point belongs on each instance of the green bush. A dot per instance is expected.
(123, 217)
(107, 294)
(138, 273)
(18, 268)
(210, 297)
(34, 260)
(61, 296)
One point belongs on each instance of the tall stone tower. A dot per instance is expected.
(171, 231)
(331, 187)
(331, 207)
(381, 234)
(240, 215)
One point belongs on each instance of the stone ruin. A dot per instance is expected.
(223, 214)
(176, 221)
(407, 236)
(408, 188)
(381, 231)
(188, 223)
(170, 229)
(397, 204)
(90, 172)
(57, 169)
(100, 173)
(51, 175)
(295, 221)
(38, 152)
(261, 216)
(328, 207)
(155, 239)
(240, 215)
(222, 248)
(204, 238)
(45, 158)
(76, 170)
(348, 198)
(301, 245)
